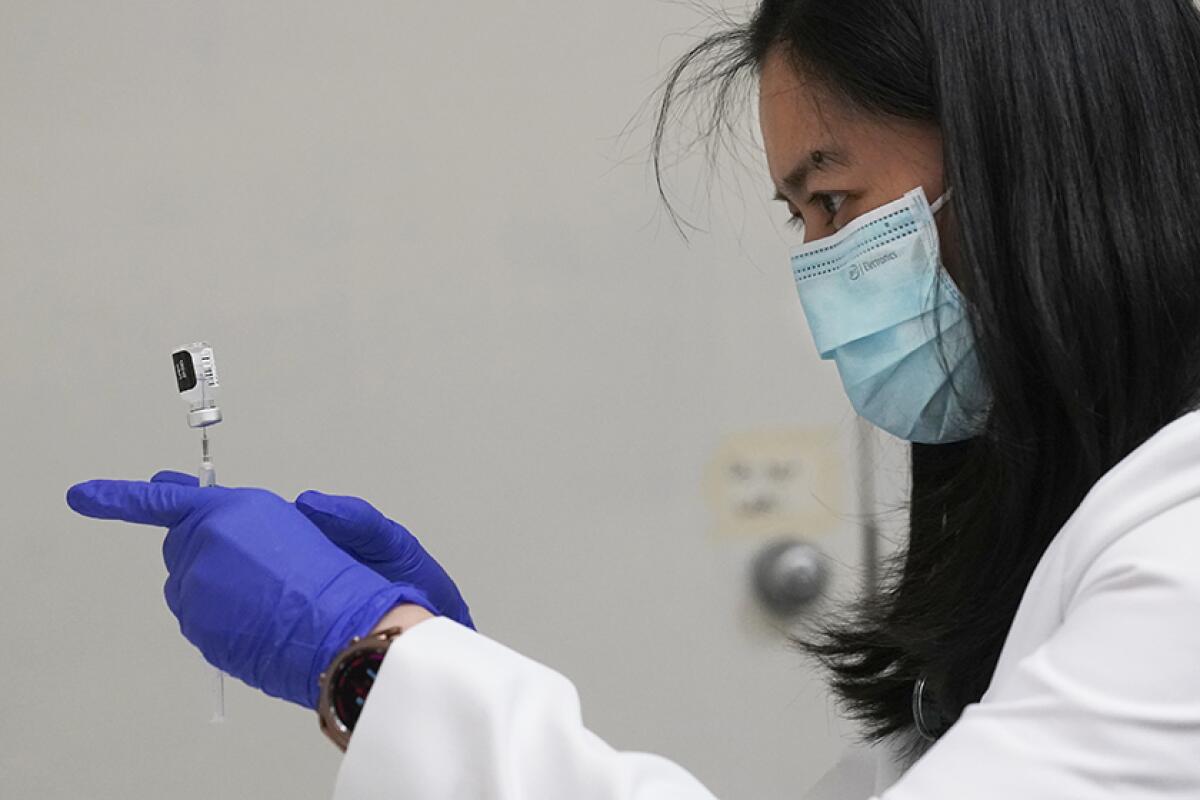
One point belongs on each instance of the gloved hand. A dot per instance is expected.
(256, 586)
(374, 540)
(385, 546)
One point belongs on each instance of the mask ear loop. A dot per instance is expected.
(936, 205)
(943, 285)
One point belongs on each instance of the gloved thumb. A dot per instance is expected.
(133, 501)
(352, 524)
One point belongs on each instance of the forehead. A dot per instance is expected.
(797, 112)
(798, 115)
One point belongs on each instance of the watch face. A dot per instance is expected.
(352, 684)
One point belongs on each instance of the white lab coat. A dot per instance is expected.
(1096, 693)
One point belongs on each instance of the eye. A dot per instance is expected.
(829, 202)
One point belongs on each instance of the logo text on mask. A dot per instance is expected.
(858, 270)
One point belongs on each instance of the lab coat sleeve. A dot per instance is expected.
(1109, 705)
(454, 714)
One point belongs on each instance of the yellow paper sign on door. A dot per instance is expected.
(782, 481)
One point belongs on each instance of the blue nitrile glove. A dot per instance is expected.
(374, 540)
(385, 546)
(255, 585)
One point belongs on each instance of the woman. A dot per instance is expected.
(997, 200)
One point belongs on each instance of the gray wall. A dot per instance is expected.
(435, 276)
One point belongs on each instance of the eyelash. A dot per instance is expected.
(822, 199)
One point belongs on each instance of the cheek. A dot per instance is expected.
(817, 231)
(886, 186)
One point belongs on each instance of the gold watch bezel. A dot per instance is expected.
(331, 725)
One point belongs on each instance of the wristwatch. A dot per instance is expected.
(347, 682)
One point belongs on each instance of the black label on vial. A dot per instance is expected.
(185, 371)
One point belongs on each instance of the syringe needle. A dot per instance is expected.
(208, 477)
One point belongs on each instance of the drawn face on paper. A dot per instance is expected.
(782, 481)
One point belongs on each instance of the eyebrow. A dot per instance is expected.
(797, 180)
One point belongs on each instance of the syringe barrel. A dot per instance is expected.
(207, 474)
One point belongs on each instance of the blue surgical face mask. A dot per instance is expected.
(876, 296)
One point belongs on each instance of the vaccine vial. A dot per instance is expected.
(196, 376)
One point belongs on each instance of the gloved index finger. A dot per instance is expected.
(134, 501)
(172, 476)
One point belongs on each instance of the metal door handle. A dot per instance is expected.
(788, 574)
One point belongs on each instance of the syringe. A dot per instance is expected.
(208, 473)
(196, 376)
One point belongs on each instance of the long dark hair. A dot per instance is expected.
(1072, 140)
